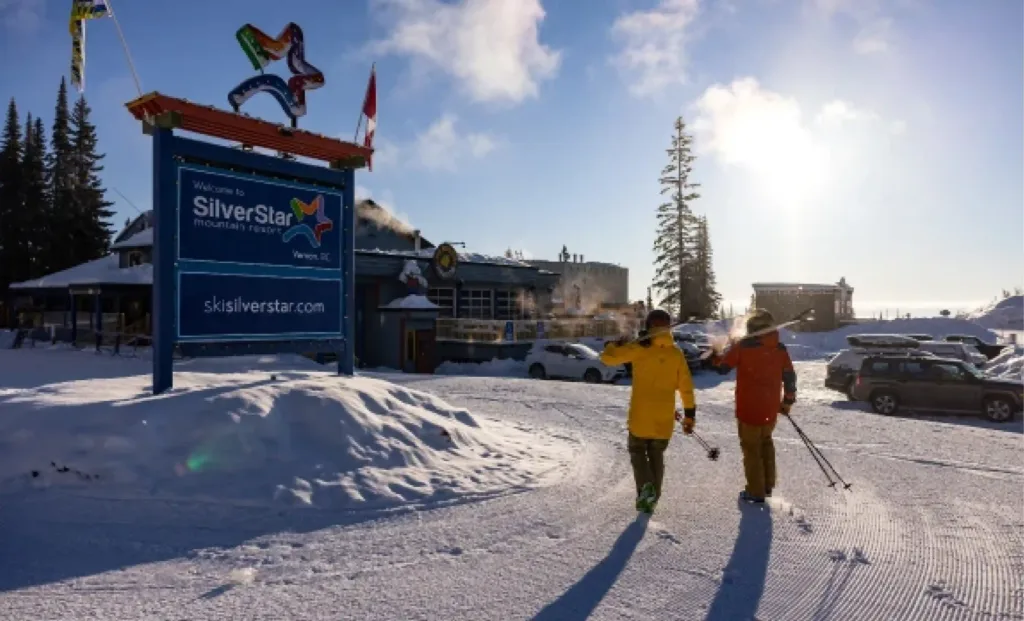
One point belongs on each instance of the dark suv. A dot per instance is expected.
(938, 384)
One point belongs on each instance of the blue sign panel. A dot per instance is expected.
(218, 307)
(230, 218)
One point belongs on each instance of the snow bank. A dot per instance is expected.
(1008, 365)
(1005, 314)
(492, 368)
(228, 433)
(831, 342)
(7, 338)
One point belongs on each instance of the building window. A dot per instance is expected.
(445, 298)
(134, 259)
(513, 304)
(475, 304)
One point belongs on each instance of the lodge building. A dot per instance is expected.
(113, 296)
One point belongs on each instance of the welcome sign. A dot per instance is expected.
(230, 218)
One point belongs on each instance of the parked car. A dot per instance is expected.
(893, 383)
(571, 361)
(694, 345)
(959, 351)
(841, 371)
(989, 350)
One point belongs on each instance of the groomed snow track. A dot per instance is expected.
(931, 530)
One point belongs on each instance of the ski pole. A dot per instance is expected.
(814, 447)
(816, 453)
(713, 451)
(817, 460)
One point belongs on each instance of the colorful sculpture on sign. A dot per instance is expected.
(263, 50)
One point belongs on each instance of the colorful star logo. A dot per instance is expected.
(304, 210)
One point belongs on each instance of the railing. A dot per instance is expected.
(497, 331)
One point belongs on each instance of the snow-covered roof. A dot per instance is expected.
(102, 271)
(464, 257)
(412, 302)
(142, 239)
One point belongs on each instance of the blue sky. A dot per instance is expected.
(880, 140)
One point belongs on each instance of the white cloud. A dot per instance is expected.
(22, 16)
(442, 147)
(838, 112)
(874, 38)
(765, 133)
(653, 54)
(492, 47)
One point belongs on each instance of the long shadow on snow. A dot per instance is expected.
(55, 538)
(744, 576)
(580, 601)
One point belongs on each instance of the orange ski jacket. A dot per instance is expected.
(764, 377)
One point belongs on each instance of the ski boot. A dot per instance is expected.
(744, 496)
(647, 499)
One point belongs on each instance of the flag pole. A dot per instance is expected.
(124, 44)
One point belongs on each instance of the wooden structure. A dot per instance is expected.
(164, 112)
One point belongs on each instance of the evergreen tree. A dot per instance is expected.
(674, 243)
(34, 203)
(705, 284)
(10, 196)
(59, 253)
(91, 210)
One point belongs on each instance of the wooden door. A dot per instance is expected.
(425, 351)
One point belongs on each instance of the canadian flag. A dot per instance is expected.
(370, 111)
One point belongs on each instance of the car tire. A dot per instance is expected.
(537, 371)
(998, 409)
(885, 403)
(592, 376)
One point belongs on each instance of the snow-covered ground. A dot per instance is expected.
(1004, 314)
(270, 489)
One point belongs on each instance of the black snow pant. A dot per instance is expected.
(648, 459)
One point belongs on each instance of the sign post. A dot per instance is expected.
(252, 253)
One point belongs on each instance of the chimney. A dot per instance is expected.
(416, 242)
(574, 257)
(581, 259)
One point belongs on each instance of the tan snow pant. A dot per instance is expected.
(758, 457)
(648, 459)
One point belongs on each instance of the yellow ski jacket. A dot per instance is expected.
(659, 370)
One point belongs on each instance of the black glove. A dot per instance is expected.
(689, 420)
(643, 339)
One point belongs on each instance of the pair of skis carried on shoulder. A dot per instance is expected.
(802, 317)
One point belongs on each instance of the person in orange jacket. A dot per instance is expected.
(765, 388)
(659, 371)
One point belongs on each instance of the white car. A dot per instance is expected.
(570, 360)
(959, 351)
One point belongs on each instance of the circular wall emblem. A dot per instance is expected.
(445, 261)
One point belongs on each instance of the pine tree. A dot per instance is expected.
(10, 196)
(91, 210)
(673, 246)
(705, 284)
(34, 202)
(60, 253)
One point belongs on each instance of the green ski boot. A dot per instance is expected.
(646, 500)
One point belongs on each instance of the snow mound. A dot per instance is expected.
(412, 302)
(495, 367)
(7, 338)
(294, 437)
(1005, 314)
(1008, 365)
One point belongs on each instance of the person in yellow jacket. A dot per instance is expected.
(659, 371)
